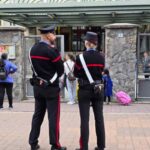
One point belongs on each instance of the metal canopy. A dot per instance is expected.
(31, 13)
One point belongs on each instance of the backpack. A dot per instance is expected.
(3, 72)
(123, 98)
(70, 75)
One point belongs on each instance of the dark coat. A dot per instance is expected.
(108, 85)
(95, 63)
(146, 65)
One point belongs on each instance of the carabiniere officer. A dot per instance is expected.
(86, 95)
(47, 64)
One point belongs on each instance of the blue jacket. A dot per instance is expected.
(10, 68)
(108, 85)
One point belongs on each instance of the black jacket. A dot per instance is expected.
(95, 64)
(46, 61)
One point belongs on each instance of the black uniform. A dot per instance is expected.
(46, 61)
(86, 96)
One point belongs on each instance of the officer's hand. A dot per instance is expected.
(41, 82)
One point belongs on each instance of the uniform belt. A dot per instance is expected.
(86, 82)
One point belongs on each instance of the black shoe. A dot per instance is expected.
(96, 148)
(10, 107)
(60, 148)
(36, 147)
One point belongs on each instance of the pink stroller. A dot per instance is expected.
(123, 98)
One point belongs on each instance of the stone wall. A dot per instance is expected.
(14, 35)
(120, 52)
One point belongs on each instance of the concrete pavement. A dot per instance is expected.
(127, 127)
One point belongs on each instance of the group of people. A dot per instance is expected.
(94, 81)
(71, 84)
(48, 67)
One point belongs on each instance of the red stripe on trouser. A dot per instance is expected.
(57, 123)
(81, 143)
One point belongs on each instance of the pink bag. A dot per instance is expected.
(123, 98)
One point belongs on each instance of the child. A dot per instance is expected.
(107, 86)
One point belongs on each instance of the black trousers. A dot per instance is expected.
(109, 98)
(87, 98)
(146, 76)
(46, 99)
(8, 87)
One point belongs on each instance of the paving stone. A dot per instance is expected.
(127, 128)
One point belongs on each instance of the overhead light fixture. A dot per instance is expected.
(35, 21)
(113, 14)
(82, 14)
(23, 15)
(61, 20)
(52, 16)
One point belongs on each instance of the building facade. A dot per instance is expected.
(73, 19)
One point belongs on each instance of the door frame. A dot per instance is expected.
(137, 73)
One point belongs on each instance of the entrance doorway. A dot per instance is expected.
(28, 43)
(142, 85)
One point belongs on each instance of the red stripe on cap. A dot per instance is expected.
(40, 57)
(57, 59)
